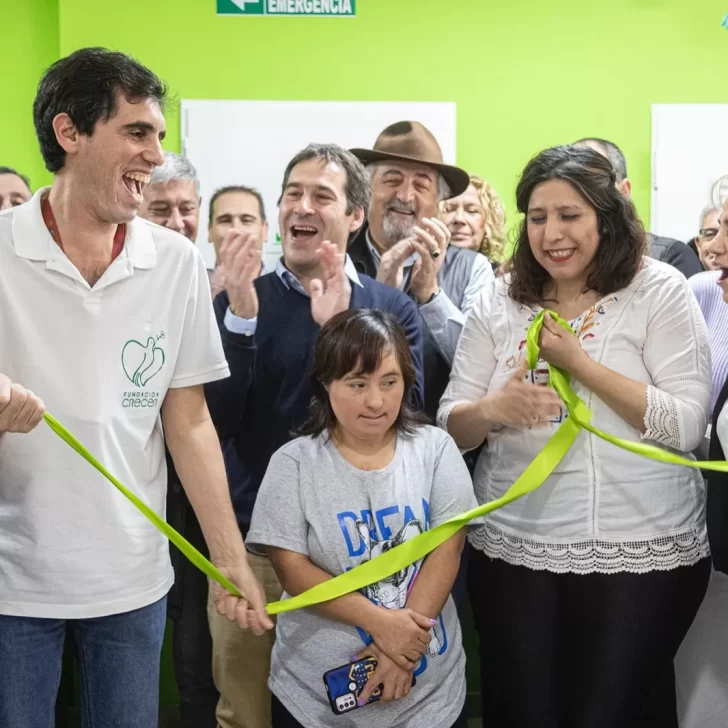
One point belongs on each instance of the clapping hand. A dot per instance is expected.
(240, 255)
(330, 294)
(431, 242)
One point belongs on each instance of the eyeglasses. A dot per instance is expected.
(708, 233)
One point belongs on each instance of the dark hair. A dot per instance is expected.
(612, 152)
(358, 184)
(622, 239)
(356, 341)
(84, 85)
(10, 170)
(236, 188)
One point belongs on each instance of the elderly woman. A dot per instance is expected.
(584, 589)
(366, 475)
(476, 220)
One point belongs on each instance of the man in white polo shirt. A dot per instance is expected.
(108, 318)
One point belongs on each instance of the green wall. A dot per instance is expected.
(525, 74)
(30, 43)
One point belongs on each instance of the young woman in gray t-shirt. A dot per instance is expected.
(366, 475)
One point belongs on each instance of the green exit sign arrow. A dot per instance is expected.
(241, 7)
(316, 8)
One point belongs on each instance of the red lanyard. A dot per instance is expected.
(50, 221)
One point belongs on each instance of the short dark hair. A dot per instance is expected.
(85, 85)
(356, 341)
(612, 152)
(10, 170)
(358, 185)
(622, 238)
(236, 188)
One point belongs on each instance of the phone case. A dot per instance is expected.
(344, 685)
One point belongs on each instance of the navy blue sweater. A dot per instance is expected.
(268, 391)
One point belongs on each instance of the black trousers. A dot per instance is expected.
(579, 651)
(187, 609)
(283, 719)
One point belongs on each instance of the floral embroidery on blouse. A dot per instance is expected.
(589, 320)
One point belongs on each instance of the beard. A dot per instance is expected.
(395, 226)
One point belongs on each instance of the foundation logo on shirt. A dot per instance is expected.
(141, 363)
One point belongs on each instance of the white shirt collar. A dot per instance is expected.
(33, 241)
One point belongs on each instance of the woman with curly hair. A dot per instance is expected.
(476, 220)
(583, 590)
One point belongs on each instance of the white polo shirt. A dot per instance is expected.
(102, 360)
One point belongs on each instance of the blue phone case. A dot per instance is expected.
(344, 685)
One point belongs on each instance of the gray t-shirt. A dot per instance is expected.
(314, 502)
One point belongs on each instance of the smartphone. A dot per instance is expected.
(344, 685)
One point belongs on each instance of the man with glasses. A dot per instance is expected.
(710, 300)
(708, 230)
(172, 198)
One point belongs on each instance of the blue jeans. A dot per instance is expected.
(118, 660)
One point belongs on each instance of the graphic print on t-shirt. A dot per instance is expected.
(375, 537)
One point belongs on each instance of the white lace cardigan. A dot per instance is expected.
(603, 509)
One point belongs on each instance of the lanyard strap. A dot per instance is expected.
(50, 222)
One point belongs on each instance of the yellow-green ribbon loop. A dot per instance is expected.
(417, 548)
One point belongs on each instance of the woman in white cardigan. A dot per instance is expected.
(584, 589)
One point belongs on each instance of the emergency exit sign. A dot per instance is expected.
(329, 8)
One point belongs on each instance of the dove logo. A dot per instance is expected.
(141, 362)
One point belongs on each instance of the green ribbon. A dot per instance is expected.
(579, 412)
(179, 541)
(371, 571)
(417, 548)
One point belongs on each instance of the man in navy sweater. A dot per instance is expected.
(269, 325)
